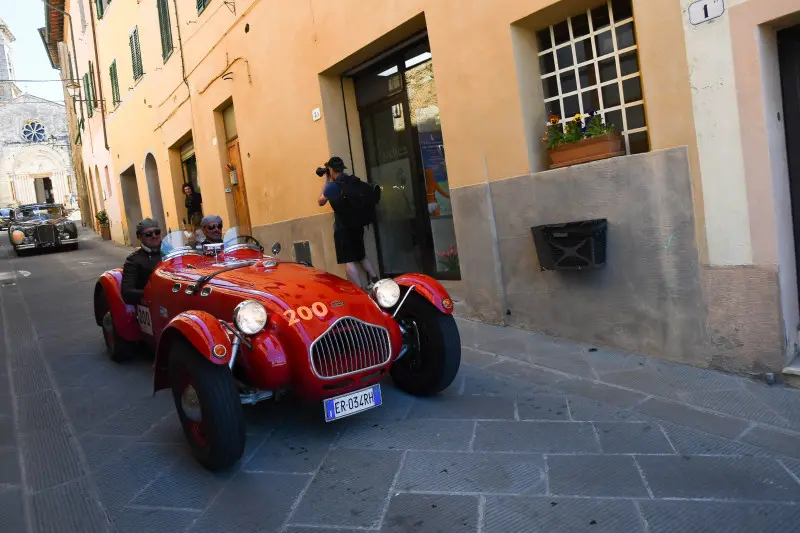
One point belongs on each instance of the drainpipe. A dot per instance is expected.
(180, 49)
(99, 85)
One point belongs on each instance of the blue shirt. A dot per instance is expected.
(331, 192)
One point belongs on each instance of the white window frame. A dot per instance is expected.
(595, 61)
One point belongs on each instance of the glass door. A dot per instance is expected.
(390, 164)
(404, 150)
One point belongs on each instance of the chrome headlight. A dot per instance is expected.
(61, 226)
(250, 317)
(386, 292)
(17, 235)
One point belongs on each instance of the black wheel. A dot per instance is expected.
(434, 348)
(19, 252)
(73, 246)
(209, 407)
(117, 348)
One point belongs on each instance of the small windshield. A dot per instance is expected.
(40, 211)
(176, 243)
(239, 237)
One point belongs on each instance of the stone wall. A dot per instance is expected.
(653, 296)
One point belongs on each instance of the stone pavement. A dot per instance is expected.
(536, 434)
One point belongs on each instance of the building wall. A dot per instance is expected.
(708, 223)
(94, 153)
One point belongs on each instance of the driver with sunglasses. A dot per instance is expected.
(141, 263)
(211, 227)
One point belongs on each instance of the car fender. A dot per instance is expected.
(202, 331)
(428, 288)
(108, 297)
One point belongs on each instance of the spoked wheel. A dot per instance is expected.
(208, 406)
(433, 357)
(117, 348)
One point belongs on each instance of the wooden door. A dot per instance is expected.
(236, 176)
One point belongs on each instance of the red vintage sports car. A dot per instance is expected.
(230, 325)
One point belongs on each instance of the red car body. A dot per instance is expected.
(303, 305)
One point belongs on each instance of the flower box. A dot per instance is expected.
(105, 232)
(586, 150)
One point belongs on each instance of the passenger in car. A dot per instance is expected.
(141, 263)
(211, 227)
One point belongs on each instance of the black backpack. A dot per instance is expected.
(356, 204)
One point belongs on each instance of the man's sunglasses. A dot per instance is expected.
(155, 232)
(212, 227)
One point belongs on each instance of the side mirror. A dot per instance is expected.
(276, 248)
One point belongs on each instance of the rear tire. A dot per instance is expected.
(218, 438)
(432, 366)
(118, 349)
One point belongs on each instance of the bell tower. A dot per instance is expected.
(8, 89)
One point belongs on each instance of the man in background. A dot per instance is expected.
(349, 241)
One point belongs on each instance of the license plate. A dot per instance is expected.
(352, 403)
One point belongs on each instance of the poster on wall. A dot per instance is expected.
(435, 169)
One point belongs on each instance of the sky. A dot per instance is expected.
(24, 18)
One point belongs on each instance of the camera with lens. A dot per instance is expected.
(323, 171)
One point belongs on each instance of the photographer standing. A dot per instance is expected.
(348, 238)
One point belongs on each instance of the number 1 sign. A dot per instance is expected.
(705, 10)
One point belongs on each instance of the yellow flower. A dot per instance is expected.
(578, 117)
(554, 119)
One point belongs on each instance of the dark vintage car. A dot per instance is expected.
(5, 218)
(41, 226)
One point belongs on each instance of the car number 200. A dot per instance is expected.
(318, 309)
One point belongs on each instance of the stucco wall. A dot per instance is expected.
(653, 296)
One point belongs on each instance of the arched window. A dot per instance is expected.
(33, 131)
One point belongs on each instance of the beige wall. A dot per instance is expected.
(275, 69)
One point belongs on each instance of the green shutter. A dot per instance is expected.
(91, 83)
(201, 5)
(136, 55)
(99, 4)
(114, 82)
(87, 94)
(166, 29)
(69, 60)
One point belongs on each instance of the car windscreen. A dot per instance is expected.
(42, 212)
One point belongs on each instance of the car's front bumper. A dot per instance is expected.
(56, 244)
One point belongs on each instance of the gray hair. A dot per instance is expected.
(210, 219)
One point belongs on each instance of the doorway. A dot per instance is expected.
(236, 172)
(154, 190)
(404, 151)
(44, 190)
(130, 199)
(789, 64)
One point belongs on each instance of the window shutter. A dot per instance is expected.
(201, 5)
(88, 94)
(166, 29)
(99, 4)
(91, 83)
(112, 72)
(136, 55)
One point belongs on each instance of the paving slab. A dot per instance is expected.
(423, 513)
(536, 437)
(560, 515)
(459, 472)
(595, 475)
(665, 516)
(722, 478)
(632, 437)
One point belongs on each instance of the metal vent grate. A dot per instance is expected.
(349, 346)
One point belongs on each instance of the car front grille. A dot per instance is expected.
(349, 346)
(46, 233)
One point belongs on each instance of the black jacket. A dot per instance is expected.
(193, 203)
(135, 273)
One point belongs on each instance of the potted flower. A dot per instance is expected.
(578, 143)
(449, 259)
(105, 226)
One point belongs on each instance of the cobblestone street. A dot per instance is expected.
(536, 435)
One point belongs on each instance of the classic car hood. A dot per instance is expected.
(296, 286)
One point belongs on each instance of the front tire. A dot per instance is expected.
(431, 364)
(208, 406)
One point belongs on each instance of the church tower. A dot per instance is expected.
(8, 89)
